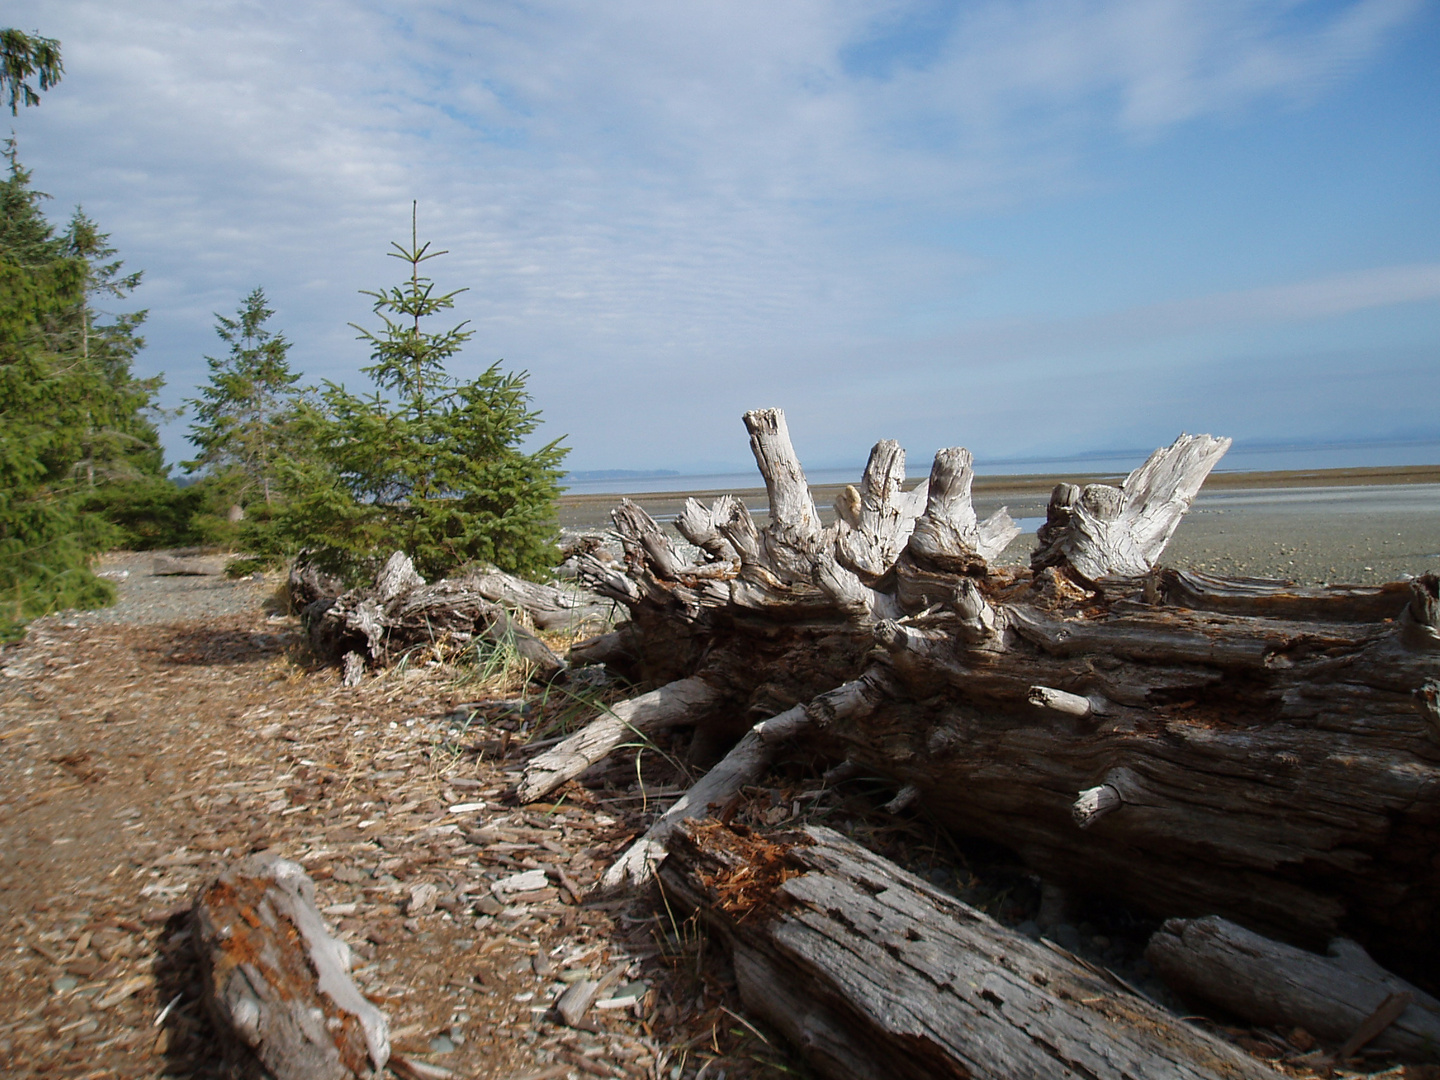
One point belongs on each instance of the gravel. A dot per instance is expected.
(149, 600)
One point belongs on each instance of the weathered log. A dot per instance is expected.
(1251, 749)
(277, 980)
(875, 974)
(681, 702)
(1270, 983)
(399, 611)
(164, 565)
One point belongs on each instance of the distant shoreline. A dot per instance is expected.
(580, 509)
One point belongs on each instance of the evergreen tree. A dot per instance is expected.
(438, 472)
(245, 414)
(72, 416)
(21, 56)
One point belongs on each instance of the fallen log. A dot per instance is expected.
(277, 980)
(875, 974)
(1270, 983)
(1250, 749)
(186, 566)
(399, 612)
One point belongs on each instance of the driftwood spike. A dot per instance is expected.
(948, 536)
(1104, 531)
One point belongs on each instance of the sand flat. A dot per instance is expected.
(1352, 526)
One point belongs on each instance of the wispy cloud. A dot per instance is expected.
(642, 195)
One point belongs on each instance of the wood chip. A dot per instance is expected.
(126, 989)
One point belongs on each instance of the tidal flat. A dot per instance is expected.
(1319, 526)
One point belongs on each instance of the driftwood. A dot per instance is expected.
(278, 981)
(1267, 982)
(399, 611)
(875, 974)
(681, 702)
(548, 607)
(1195, 745)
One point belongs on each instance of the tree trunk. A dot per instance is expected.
(1195, 745)
(874, 974)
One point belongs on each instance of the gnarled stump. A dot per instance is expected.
(1242, 748)
(400, 612)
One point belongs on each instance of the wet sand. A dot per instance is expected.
(1352, 526)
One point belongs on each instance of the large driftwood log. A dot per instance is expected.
(1243, 748)
(399, 611)
(277, 980)
(875, 974)
(1267, 982)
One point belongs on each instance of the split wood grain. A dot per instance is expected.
(874, 974)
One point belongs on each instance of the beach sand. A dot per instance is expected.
(1335, 526)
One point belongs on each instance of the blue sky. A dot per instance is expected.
(1031, 227)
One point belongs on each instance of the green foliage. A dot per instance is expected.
(438, 472)
(152, 513)
(244, 417)
(23, 55)
(72, 416)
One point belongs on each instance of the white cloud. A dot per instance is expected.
(644, 198)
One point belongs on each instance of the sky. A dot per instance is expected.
(1030, 227)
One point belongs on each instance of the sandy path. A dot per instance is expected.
(138, 760)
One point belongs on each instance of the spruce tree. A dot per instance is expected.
(72, 416)
(439, 470)
(22, 56)
(244, 417)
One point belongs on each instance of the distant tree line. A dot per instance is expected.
(427, 462)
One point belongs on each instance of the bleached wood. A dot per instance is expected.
(948, 536)
(1268, 982)
(1094, 803)
(1276, 744)
(905, 798)
(874, 974)
(644, 539)
(550, 607)
(743, 765)
(883, 518)
(792, 510)
(1109, 531)
(697, 524)
(685, 701)
(1061, 701)
(400, 612)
